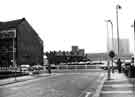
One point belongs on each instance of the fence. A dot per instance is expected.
(75, 67)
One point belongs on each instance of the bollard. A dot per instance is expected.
(109, 73)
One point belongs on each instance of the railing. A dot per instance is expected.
(3, 69)
(75, 67)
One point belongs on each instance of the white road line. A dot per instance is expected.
(114, 92)
(119, 85)
(87, 94)
(117, 80)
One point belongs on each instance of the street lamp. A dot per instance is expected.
(112, 42)
(109, 21)
(112, 33)
(108, 64)
(14, 51)
(134, 40)
(117, 8)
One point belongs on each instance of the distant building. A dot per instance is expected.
(59, 53)
(123, 46)
(81, 52)
(75, 50)
(67, 53)
(104, 56)
(97, 56)
(19, 44)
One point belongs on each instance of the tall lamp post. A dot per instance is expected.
(112, 34)
(117, 8)
(112, 42)
(14, 51)
(108, 63)
(134, 40)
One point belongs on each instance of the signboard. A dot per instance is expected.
(8, 34)
(111, 54)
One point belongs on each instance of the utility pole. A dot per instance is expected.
(108, 63)
(14, 51)
(117, 20)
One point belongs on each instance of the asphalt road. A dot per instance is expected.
(59, 85)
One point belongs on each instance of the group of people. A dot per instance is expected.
(119, 64)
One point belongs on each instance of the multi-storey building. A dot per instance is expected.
(19, 44)
(123, 46)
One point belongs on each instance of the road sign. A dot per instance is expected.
(111, 54)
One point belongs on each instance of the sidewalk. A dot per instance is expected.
(118, 86)
(22, 78)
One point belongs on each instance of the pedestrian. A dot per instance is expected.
(49, 68)
(119, 63)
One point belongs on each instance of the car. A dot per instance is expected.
(25, 68)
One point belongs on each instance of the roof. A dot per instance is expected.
(10, 24)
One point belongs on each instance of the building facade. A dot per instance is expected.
(75, 50)
(81, 52)
(19, 44)
(123, 46)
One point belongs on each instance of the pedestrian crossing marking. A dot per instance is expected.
(117, 80)
(118, 85)
(114, 92)
(87, 94)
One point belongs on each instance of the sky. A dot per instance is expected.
(63, 23)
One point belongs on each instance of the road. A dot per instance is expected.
(59, 85)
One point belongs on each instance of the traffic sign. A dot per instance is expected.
(111, 54)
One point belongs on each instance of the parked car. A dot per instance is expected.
(25, 68)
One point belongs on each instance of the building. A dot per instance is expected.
(104, 56)
(75, 50)
(123, 46)
(97, 56)
(19, 44)
(81, 52)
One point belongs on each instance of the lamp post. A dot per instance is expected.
(108, 63)
(134, 40)
(14, 51)
(14, 59)
(117, 8)
(107, 35)
(112, 42)
(112, 34)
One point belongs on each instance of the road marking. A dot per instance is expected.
(87, 94)
(119, 85)
(117, 80)
(15, 88)
(114, 92)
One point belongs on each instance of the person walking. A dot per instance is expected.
(49, 69)
(119, 63)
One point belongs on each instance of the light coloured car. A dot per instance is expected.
(25, 68)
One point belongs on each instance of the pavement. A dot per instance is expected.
(118, 86)
(21, 78)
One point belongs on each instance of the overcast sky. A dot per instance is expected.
(63, 23)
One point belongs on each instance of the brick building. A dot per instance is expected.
(19, 44)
